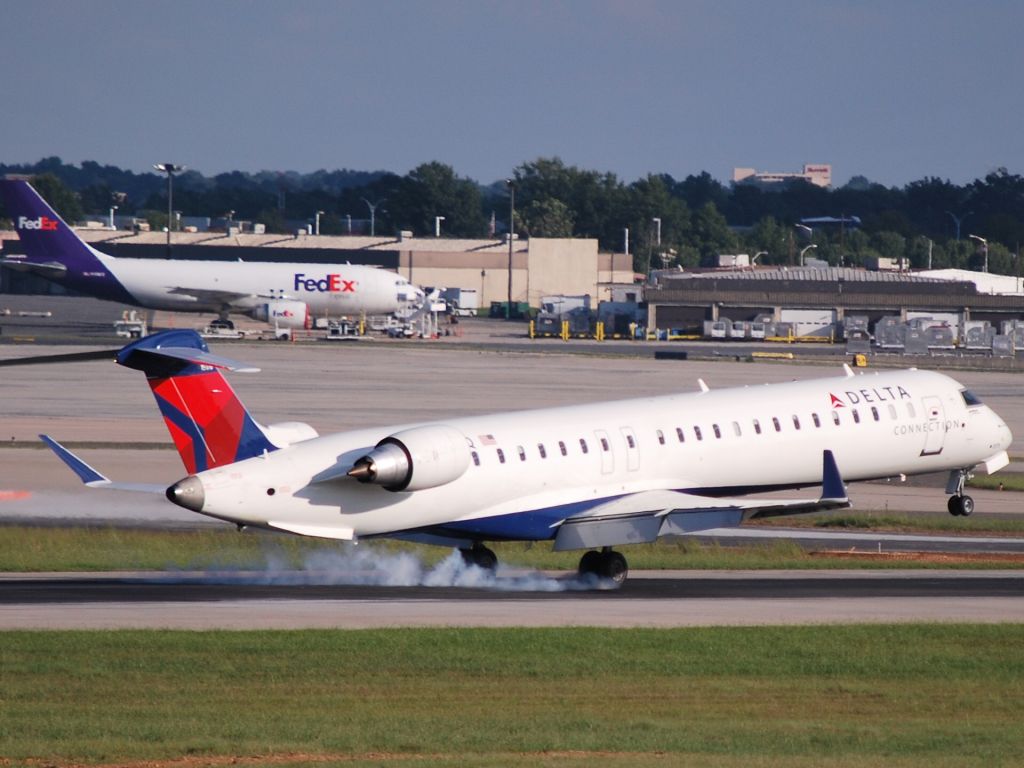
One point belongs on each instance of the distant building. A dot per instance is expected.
(818, 174)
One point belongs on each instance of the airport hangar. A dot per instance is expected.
(687, 299)
(540, 266)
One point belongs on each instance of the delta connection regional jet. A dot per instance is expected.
(584, 477)
(288, 295)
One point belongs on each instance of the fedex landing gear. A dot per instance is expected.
(606, 564)
(480, 556)
(959, 505)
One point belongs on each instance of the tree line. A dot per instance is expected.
(670, 222)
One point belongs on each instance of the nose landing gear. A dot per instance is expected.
(959, 504)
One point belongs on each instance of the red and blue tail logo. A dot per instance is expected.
(208, 423)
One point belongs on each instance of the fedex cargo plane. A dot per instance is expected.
(288, 295)
(586, 477)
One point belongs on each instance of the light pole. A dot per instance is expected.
(511, 234)
(316, 226)
(984, 248)
(805, 228)
(437, 225)
(958, 220)
(657, 230)
(805, 250)
(112, 209)
(348, 221)
(170, 169)
(373, 214)
(759, 254)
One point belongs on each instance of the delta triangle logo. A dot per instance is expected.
(836, 402)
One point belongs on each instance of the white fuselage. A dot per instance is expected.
(734, 441)
(211, 286)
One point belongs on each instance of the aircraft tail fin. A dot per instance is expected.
(52, 248)
(208, 423)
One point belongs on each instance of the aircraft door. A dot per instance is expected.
(935, 426)
(632, 449)
(604, 447)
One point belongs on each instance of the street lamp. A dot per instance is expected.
(112, 209)
(759, 254)
(437, 225)
(373, 214)
(958, 220)
(805, 228)
(170, 169)
(984, 248)
(805, 250)
(316, 226)
(511, 234)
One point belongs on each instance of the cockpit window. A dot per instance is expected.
(970, 398)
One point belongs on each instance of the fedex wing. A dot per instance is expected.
(583, 477)
(288, 294)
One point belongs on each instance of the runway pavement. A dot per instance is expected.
(205, 601)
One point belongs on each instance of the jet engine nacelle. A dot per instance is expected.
(284, 313)
(415, 459)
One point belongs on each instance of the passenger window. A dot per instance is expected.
(604, 445)
(561, 447)
(835, 418)
(630, 441)
(910, 411)
(679, 434)
(816, 420)
(874, 413)
(856, 416)
(775, 423)
(476, 458)
(583, 445)
(661, 437)
(501, 456)
(696, 431)
(540, 449)
(757, 427)
(717, 431)
(736, 429)
(796, 421)
(522, 452)
(892, 412)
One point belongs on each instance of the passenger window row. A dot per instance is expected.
(698, 433)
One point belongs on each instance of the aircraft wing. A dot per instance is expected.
(643, 517)
(91, 477)
(209, 296)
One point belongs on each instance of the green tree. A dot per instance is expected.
(60, 198)
(711, 234)
(432, 190)
(548, 217)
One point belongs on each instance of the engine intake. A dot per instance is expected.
(415, 459)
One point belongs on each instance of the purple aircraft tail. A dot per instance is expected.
(52, 249)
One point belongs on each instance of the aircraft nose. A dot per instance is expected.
(188, 493)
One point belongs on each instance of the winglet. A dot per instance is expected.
(832, 487)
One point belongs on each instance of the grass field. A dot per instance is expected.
(920, 695)
(31, 549)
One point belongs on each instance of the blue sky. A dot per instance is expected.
(894, 91)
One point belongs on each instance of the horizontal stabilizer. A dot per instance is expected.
(51, 269)
(91, 477)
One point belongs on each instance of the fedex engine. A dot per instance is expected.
(284, 313)
(415, 459)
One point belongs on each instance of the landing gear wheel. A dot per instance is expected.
(480, 556)
(590, 563)
(613, 566)
(961, 506)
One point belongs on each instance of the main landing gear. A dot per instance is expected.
(959, 505)
(606, 564)
(480, 556)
